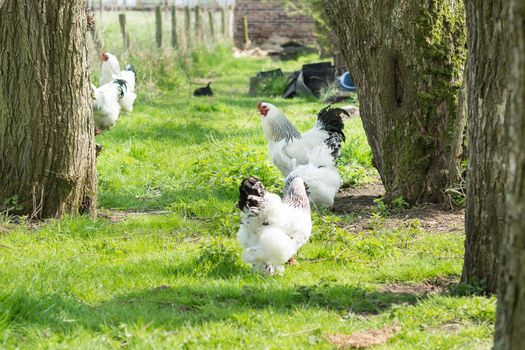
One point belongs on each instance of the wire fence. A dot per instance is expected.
(148, 4)
(123, 28)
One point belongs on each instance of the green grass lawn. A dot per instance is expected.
(160, 267)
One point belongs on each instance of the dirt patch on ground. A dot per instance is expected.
(115, 215)
(435, 286)
(360, 203)
(358, 200)
(362, 339)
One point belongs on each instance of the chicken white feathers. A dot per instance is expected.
(320, 176)
(272, 230)
(110, 68)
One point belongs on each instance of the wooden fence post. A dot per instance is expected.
(125, 37)
(245, 31)
(198, 24)
(223, 22)
(212, 26)
(187, 23)
(158, 26)
(174, 26)
(230, 22)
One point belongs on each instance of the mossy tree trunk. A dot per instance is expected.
(510, 314)
(407, 58)
(47, 145)
(487, 98)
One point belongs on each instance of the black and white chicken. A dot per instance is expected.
(129, 75)
(311, 155)
(272, 230)
(285, 142)
(106, 103)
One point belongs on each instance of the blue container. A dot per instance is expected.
(346, 83)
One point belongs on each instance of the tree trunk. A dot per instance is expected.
(47, 144)
(510, 315)
(487, 86)
(406, 58)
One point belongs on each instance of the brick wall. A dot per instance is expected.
(265, 18)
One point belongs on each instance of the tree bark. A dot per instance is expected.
(510, 314)
(47, 145)
(487, 86)
(406, 58)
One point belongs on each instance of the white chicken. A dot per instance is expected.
(106, 107)
(320, 175)
(286, 143)
(110, 68)
(130, 77)
(272, 230)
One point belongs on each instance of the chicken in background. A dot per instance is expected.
(129, 75)
(106, 103)
(311, 155)
(204, 91)
(285, 142)
(110, 68)
(272, 230)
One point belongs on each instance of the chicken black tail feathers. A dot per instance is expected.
(122, 87)
(334, 143)
(204, 91)
(251, 192)
(331, 120)
(131, 68)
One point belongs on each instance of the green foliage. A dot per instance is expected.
(229, 164)
(272, 86)
(355, 163)
(474, 287)
(11, 205)
(382, 209)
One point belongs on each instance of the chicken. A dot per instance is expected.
(272, 230)
(204, 91)
(320, 175)
(110, 68)
(106, 107)
(130, 77)
(285, 142)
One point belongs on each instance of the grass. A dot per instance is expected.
(160, 267)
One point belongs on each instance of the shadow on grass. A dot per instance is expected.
(182, 200)
(188, 305)
(188, 134)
